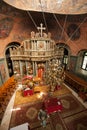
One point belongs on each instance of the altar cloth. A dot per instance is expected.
(28, 92)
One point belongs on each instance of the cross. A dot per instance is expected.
(41, 28)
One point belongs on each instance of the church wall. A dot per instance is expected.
(81, 43)
(75, 45)
(21, 29)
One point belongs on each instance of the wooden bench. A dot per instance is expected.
(77, 84)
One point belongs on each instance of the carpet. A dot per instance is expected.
(72, 117)
(70, 105)
(77, 121)
(73, 112)
(57, 122)
(29, 113)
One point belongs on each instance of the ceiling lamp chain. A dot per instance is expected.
(32, 19)
(63, 27)
(43, 15)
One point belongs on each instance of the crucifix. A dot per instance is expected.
(41, 28)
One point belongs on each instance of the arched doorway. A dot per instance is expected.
(66, 56)
(7, 56)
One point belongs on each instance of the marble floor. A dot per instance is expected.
(7, 115)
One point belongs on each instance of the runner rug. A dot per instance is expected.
(77, 121)
(70, 105)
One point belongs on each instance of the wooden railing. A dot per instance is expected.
(6, 91)
(77, 84)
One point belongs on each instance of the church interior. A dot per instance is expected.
(43, 65)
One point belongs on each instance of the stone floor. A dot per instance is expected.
(7, 115)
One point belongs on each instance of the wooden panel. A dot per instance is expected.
(77, 84)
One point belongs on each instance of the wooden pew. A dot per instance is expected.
(77, 84)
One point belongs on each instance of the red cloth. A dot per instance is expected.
(57, 87)
(28, 92)
(53, 105)
(40, 72)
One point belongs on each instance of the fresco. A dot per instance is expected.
(6, 25)
(73, 31)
